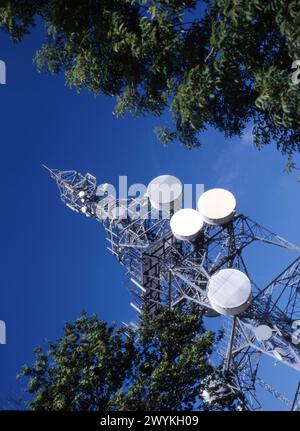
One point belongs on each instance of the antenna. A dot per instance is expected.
(53, 172)
(217, 206)
(200, 256)
(165, 192)
(229, 291)
(46, 167)
(186, 224)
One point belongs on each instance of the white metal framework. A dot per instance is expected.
(166, 271)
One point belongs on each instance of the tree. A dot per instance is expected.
(220, 63)
(97, 367)
(82, 370)
(172, 359)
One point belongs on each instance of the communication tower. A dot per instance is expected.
(177, 256)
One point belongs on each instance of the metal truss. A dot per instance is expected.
(164, 271)
(296, 401)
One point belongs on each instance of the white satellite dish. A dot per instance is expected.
(217, 206)
(81, 194)
(186, 224)
(165, 192)
(229, 291)
(263, 332)
(84, 209)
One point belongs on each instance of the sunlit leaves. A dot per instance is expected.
(94, 366)
(222, 68)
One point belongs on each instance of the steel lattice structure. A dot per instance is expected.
(167, 272)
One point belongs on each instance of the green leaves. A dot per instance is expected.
(96, 367)
(83, 369)
(17, 17)
(172, 359)
(229, 66)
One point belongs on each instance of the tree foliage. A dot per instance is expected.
(82, 370)
(172, 359)
(220, 63)
(97, 367)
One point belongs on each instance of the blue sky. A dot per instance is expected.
(54, 263)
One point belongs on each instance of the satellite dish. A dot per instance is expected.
(81, 194)
(229, 291)
(217, 206)
(186, 224)
(84, 209)
(165, 192)
(263, 332)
